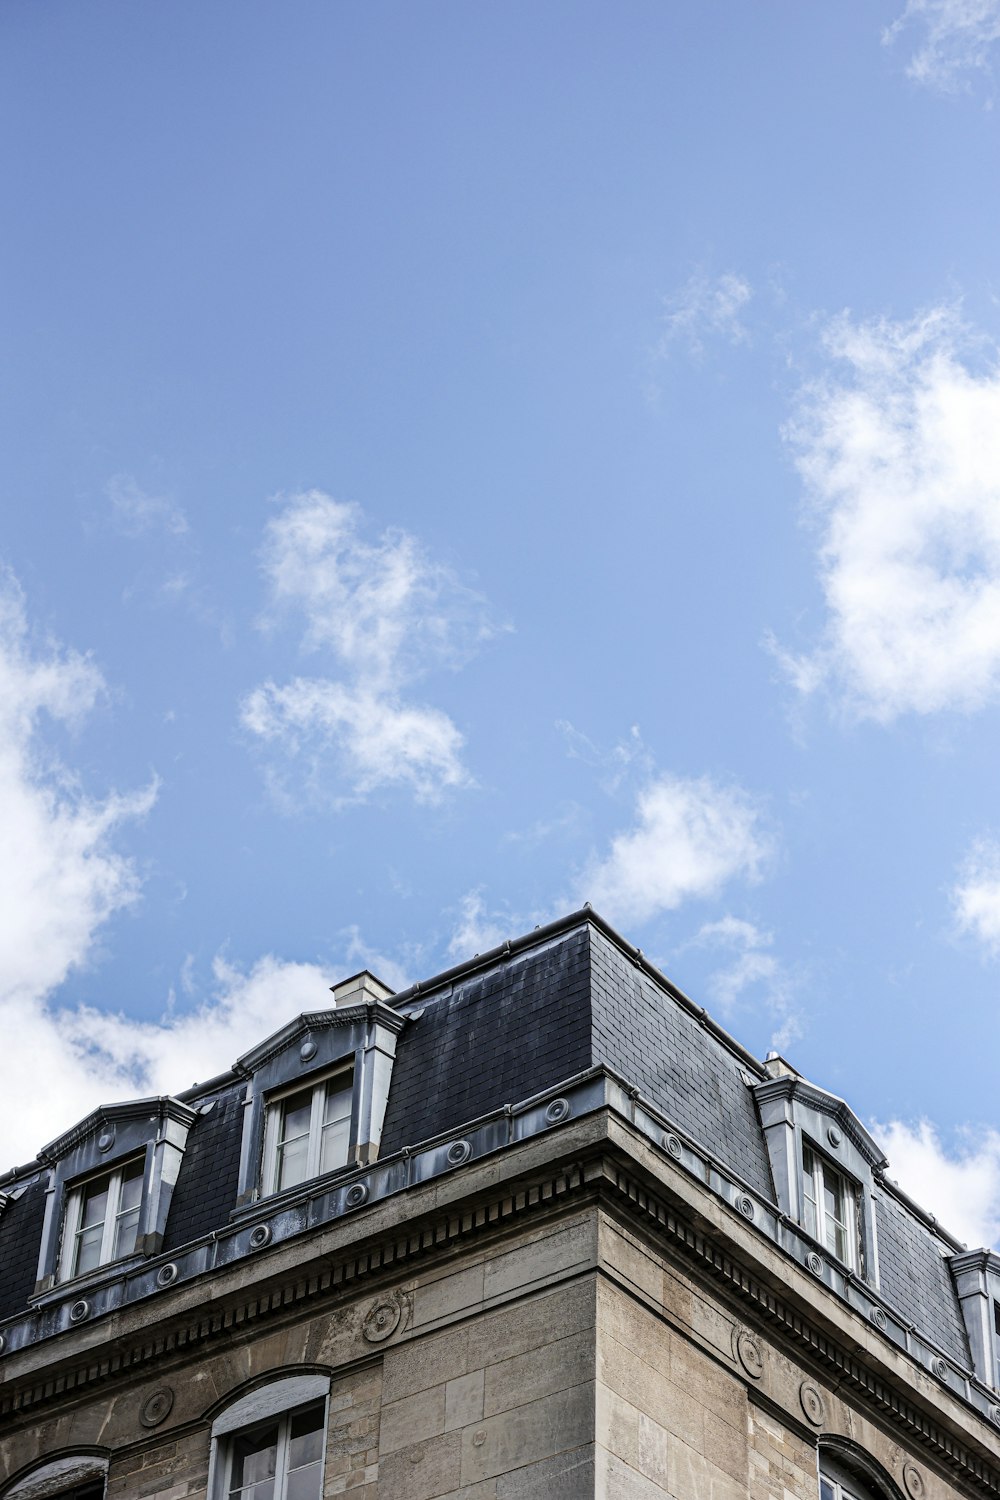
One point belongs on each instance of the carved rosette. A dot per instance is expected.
(812, 1403)
(914, 1482)
(749, 1352)
(156, 1408)
(384, 1317)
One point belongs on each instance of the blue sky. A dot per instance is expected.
(461, 461)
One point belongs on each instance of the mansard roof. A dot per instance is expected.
(486, 1040)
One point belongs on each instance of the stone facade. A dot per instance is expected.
(575, 1314)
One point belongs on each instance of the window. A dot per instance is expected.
(308, 1131)
(279, 1460)
(837, 1482)
(102, 1219)
(71, 1477)
(269, 1444)
(830, 1207)
(832, 1489)
(996, 1344)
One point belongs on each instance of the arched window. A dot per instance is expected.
(270, 1444)
(69, 1478)
(850, 1476)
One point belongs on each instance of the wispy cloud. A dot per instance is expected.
(752, 969)
(957, 39)
(135, 512)
(387, 614)
(61, 877)
(689, 839)
(477, 929)
(899, 448)
(961, 1189)
(705, 308)
(976, 895)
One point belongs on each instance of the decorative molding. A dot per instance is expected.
(914, 1482)
(748, 1350)
(812, 1403)
(157, 1407)
(384, 1317)
(318, 1020)
(162, 1107)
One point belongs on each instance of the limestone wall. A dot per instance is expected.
(574, 1357)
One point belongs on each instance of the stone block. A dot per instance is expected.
(617, 1480)
(412, 1419)
(424, 1361)
(508, 1331)
(538, 1372)
(446, 1296)
(567, 1476)
(423, 1471)
(528, 1433)
(563, 1252)
(463, 1402)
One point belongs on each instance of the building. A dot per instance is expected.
(535, 1228)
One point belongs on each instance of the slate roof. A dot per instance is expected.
(507, 1026)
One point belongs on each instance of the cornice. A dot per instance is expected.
(162, 1107)
(376, 1011)
(787, 1087)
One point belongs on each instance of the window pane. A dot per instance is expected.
(295, 1114)
(825, 1489)
(334, 1145)
(132, 1186)
(293, 1158)
(304, 1484)
(254, 1462)
(833, 1195)
(338, 1100)
(305, 1436)
(88, 1249)
(125, 1234)
(95, 1202)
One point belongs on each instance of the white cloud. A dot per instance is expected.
(958, 39)
(388, 614)
(961, 1190)
(478, 929)
(705, 307)
(134, 512)
(61, 880)
(89, 1057)
(689, 839)
(375, 741)
(60, 876)
(752, 967)
(976, 895)
(901, 455)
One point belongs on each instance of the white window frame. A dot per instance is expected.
(272, 1127)
(284, 1423)
(74, 1213)
(823, 1169)
(280, 1400)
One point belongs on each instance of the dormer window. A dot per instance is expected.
(108, 1186)
(308, 1131)
(823, 1162)
(102, 1219)
(317, 1091)
(830, 1207)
